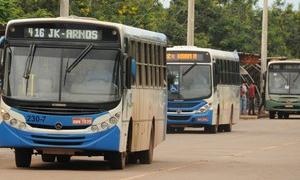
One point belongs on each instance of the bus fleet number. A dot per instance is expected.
(35, 119)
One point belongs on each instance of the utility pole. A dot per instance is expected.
(191, 22)
(264, 45)
(64, 8)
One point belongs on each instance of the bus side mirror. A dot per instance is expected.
(130, 72)
(2, 42)
(133, 69)
(216, 74)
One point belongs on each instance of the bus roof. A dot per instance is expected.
(215, 54)
(125, 30)
(290, 61)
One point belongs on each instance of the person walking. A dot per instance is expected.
(251, 99)
(243, 98)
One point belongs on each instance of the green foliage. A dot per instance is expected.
(8, 10)
(221, 24)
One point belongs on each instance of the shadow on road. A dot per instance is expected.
(82, 165)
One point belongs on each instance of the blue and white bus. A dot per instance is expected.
(203, 89)
(75, 86)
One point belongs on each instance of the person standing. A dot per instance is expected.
(243, 98)
(251, 98)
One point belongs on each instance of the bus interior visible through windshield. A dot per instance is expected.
(189, 81)
(63, 74)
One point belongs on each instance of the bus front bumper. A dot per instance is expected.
(100, 141)
(190, 120)
(285, 107)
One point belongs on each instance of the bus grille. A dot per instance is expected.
(183, 118)
(58, 140)
(53, 127)
(182, 105)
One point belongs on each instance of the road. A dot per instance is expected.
(255, 150)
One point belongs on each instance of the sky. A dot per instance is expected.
(296, 3)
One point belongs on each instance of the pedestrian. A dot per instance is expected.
(243, 98)
(252, 89)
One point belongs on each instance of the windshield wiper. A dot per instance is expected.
(79, 58)
(28, 64)
(296, 77)
(29, 61)
(189, 69)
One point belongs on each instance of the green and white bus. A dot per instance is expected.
(283, 88)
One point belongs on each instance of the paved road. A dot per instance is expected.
(255, 150)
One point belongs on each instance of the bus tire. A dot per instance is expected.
(271, 114)
(132, 158)
(286, 115)
(179, 129)
(63, 158)
(48, 158)
(228, 127)
(280, 115)
(117, 160)
(212, 129)
(221, 128)
(23, 158)
(170, 130)
(146, 157)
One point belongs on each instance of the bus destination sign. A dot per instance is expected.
(59, 33)
(188, 56)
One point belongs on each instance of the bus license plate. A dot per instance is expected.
(289, 106)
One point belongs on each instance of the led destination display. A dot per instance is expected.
(51, 33)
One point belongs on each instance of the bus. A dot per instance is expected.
(203, 89)
(283, 88)
(82, 87)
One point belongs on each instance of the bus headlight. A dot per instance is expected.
(203, 109)
(104, 125)
(6, 116)
(113, 120)
(13, 122)
(94, 128)
(22, 125)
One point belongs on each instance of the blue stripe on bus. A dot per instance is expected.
(108, 140)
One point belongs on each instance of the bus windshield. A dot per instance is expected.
(94, 79)
(189, 81)
(284, 82)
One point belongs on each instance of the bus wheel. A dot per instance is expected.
(228, 127)
(146, 157)
(221, 128)
(271, 114)
(63, 158)
(132, 158)
(280, 115)
(48, 158)
(170, 130)
(212, 129)
(23, 158)
(117, 160)
(179, 129)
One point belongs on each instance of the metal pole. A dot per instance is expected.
(264, 45)
(191, 20)
(64, 8)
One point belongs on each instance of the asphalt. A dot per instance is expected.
(256, 150)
